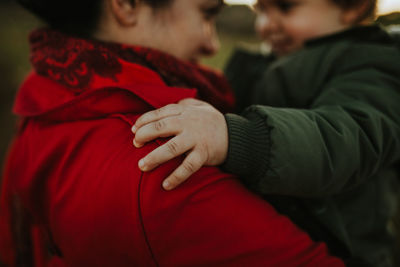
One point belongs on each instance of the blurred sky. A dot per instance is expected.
(384, 6)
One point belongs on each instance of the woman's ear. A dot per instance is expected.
(125, 11)
(355, 14)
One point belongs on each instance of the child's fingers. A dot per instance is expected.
(155, 115)
(173, 148)
(165, 127)
(190, 165)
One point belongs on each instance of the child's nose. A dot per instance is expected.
(265, 24)
(261, 23)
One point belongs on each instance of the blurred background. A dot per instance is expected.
(235, 26)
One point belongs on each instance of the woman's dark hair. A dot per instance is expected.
(78, 17)
(370, 9)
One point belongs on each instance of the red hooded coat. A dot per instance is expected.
(73, 170)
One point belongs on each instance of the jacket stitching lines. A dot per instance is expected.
(142, 223)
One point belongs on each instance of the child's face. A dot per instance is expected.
(287, 24)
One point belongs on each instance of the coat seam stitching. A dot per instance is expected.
(142, 222)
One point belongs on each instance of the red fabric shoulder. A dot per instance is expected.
(99, 209)
(212, 220)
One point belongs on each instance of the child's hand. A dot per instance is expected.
(200, 131)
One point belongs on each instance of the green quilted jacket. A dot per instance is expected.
(319, 136)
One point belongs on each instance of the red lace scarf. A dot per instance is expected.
(73, 62)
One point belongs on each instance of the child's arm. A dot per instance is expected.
(199, 129)
(350, 131)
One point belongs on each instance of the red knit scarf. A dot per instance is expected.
(73, 62)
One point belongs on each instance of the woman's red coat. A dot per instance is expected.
(74, 169)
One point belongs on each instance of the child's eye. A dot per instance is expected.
(285, 6)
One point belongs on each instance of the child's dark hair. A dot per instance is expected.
(370, 8)
(78, 17)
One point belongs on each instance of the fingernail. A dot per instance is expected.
(136, 144)
(141, 164)
(166, 185)
(133, 129)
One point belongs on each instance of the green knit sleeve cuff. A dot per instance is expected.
(249, 148)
